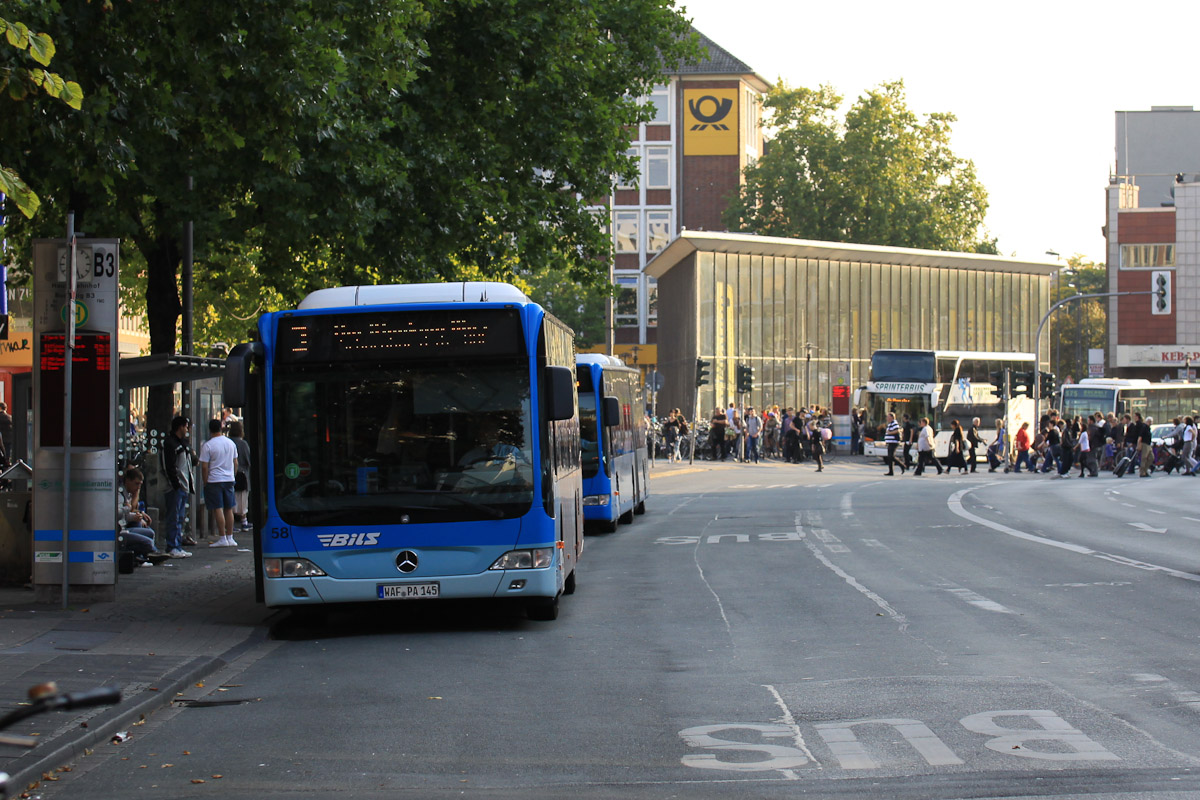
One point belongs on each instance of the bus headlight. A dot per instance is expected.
(291, 568)
(595, 500)
(525, 559)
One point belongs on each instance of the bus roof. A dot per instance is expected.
(457, 292)
(600, 360)
(1128, 383)
(984, 354)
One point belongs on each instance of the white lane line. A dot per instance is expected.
(896, 616)
(703, 577)
(1155, 511)
(979, 601)
(1192, 519)
(847, 505)
(797, 735)
(955, 505)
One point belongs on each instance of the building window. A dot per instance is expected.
(657, 168)
(1145, 256)
(623, 183)
(627, 300)
(658, 230)
(625, 228)
(651, 300)
(660, 98)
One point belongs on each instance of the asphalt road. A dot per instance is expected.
(763, 631)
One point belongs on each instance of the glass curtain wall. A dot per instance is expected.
(799, 321)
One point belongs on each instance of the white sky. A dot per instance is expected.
(1034, 85)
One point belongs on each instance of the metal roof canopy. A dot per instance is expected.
(162, 369)
(689, 242)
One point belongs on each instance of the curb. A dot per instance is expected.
(170, 687)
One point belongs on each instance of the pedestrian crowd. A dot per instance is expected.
(1059, 445)
(1102, 442)
(748, 435)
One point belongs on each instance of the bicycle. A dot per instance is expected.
(43, 698)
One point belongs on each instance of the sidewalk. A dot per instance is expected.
(171, 625)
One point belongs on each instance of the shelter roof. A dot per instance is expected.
(689, 242)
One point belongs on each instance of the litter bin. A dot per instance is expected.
(16, 539)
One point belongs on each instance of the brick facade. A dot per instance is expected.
(1142, 327)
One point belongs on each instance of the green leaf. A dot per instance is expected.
(41, 47)
(72, 95)
(25, 198)
(18, 35)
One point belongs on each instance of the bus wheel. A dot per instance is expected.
(627, 517)
(543, 608)
(608, 526)
(569, 584)
(640, 508)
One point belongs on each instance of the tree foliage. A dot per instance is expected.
(19, 81)
(881, 175)
(335, 143)
(1081, 325)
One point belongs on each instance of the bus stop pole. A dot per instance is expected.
(68, 358)
(1037, 340)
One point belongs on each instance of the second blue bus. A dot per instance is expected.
(612, 424)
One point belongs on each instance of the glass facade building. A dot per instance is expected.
(807, 315)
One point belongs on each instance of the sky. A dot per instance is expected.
(1034, 86)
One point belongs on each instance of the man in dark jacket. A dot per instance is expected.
(177, 466)
(1138, 434)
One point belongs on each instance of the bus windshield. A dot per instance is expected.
(406, 441)
(901, 365)
(1080, 401)
(915, 405)
(589, 431)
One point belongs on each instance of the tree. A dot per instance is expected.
(19, 82)
(582, 306)
(384, 140)
(881, 176)
(1081, 325)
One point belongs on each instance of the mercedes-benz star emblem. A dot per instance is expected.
(406, 561)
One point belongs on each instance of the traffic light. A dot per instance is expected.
(1046, 384)
(1021, 383)
(1160, 284)
(997, 380)
(702, 371)
(745, 379)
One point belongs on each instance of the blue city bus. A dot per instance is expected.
(612, 424)
(421, 442)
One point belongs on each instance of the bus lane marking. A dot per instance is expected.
(1039, 734)
(954, 503)
(851, 754)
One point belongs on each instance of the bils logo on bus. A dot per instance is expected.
(348, 539)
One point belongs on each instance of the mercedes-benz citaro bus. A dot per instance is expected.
(612, 427)
(421, 442)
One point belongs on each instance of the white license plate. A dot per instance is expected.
(407, 591)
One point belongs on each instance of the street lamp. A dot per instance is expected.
(808, 348)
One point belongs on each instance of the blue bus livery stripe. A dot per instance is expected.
(77, 535)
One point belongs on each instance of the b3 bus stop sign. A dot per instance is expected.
(74, 463)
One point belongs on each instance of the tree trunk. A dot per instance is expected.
(163, 309)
